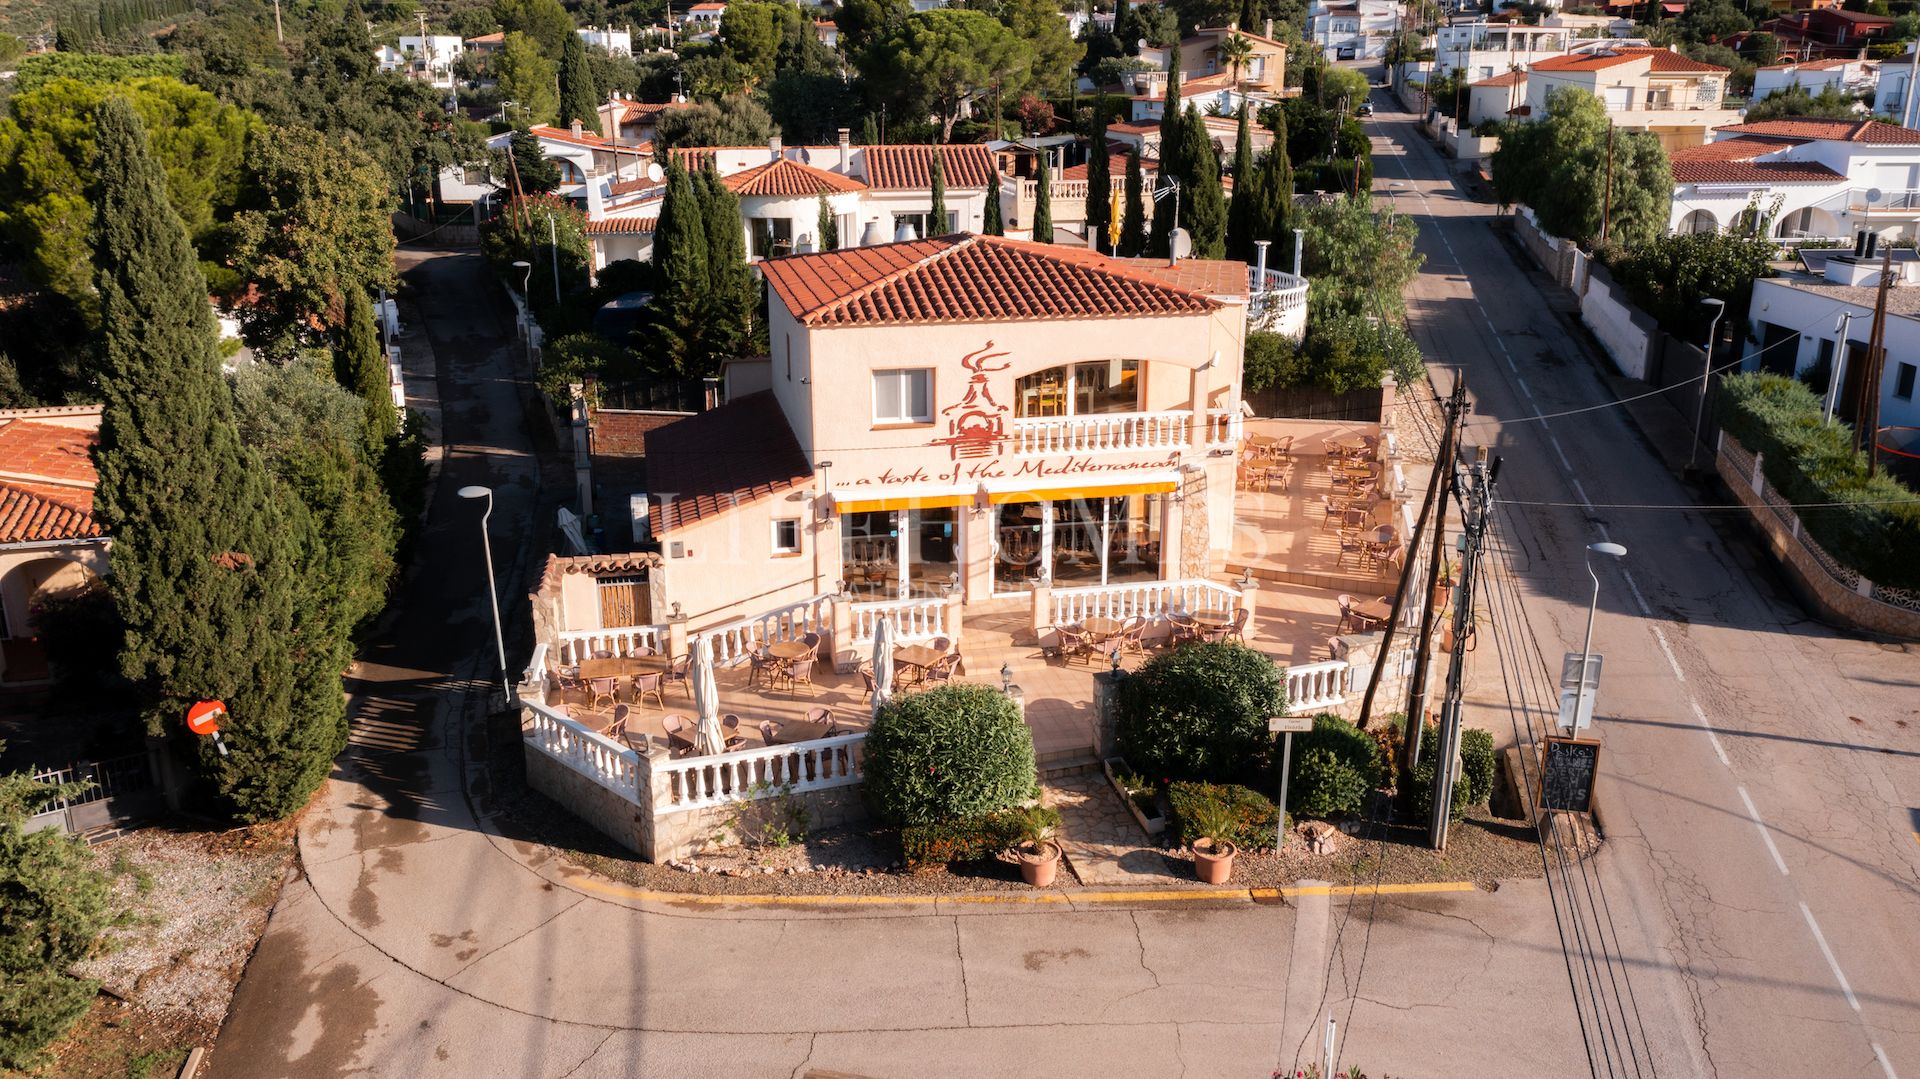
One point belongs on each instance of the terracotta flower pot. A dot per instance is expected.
(1213, 865)
(1039, 862)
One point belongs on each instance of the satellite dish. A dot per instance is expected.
(1179, 243)
(654, 173)
(1874, 196)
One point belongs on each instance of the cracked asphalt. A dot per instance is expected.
(426, 936)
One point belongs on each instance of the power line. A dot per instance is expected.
(1718, 508)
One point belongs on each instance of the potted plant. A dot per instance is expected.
(1039, 856)
(1213, 851)
(1141, 796)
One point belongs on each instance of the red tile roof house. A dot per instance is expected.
(49, 540)
(1831, 178)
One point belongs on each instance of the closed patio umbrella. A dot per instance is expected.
(708, 737)
(882, 663)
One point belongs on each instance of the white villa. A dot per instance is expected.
(1353, 29)
(1850, 75)
(1831, 178)
(49, 538)
(429, 59)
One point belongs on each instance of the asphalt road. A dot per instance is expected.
(1758, 768)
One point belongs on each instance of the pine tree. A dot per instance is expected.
(1241, 226)
(1043, 201)
(1133, 225)
(579, 98)
(937, 179)
(990, 220)
(827, 228)
(1203, 211)
(1171, 142)
(731, 292)
(1099, 183)
(680, 265)
(362, 368)
(206, 550)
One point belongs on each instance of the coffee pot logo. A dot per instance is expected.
(976, 423)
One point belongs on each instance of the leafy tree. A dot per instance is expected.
(863, 22)
(808, 97)
(1343, 89)
(545, 22)
(937, 181)
(1711, 20)
(54, 904)
(1357, 261)
(530, 230)
(680, 265)
(525, 76)
(1100, 183)
(1043, 201)
(940, 61)
(730, 290)
(1133, 223)
(1268, 361)
(1055, 54)
(1762, 48)
(36, 71)
(205, 568)
(1669, 276)
(1240, 220)
(1558, 166)
(361, 367)
(1794, 101)
(731, 121)
(11, 48)
(48, 160)
(712, 72)
(537, 173)
(827, 227)
(752, 32)
(314, 226)
(579, 97)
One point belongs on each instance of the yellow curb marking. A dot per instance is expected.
(621, 891)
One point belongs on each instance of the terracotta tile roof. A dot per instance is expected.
(496, 38)
(640, 185)
(1135, 129)
(1668, 62)
(895, 168)
(1752, 172)
(967, 278)
(1738, 148)
(1810, 65)
(787, 177)
(586, 138)
(1116, 168)
(46, 451)
(1222, 31)
(1510, 78)
(37, 513)
(1867, 131)
(621, 226)
(707, 464)
(1591, 61)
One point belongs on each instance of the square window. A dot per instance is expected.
(786, 536)
(903, 396)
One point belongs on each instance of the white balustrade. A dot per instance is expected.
(536, 672)
(913, 619)
(600, 759)
(1114, 432)
(1148, 599)
(1315, 687)
(1223, 428)
(734, 641)
(1278, 304)
(575, 645)
(747, 775)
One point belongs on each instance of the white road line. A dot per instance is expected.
(1821, 939)
(1664, 647)
(1524, 388)
(1701, 714)
(1754, 815)
(1885, 1066)
(1560, 453)
(1582, 492)
(1645, 609)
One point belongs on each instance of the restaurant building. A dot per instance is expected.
(967, 417)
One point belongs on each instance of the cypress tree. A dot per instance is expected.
(869, 131)
(1171, 168)
(1133, 225)
(937, 179)
(1099, 183)
(990, 221)
(1043, 202)
(1241, 225)
(1124, 29)
(1203, 211)
(579, 98)
(731, 292)
(206, 548)
(827, 228)
(362, 368)
(1247, 14)
(1279, 218)
(680, 266)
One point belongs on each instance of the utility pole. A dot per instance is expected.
(1443, 469)
(1477, 503)
(279, 35)
(1867, 428)
(1606, 205)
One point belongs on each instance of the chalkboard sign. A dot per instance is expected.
(1566, 779)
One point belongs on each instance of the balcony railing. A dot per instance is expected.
(734, 641)
(913, 619)
(746, 775)
(578, 644)
(1113, 432)
(1278, 304)
(1147, 599)
(1880, 200)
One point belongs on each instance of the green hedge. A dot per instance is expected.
(970, 839)
(1254, 819)
(949, 753)
(1809, 461)
(1476, 764)
(1200, 712)
(1336, 767)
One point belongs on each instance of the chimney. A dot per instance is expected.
(1269, 28)
(575, 127)
(846, 152)
(773, 148)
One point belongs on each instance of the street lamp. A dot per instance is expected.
(1586, 647)
(1700, 409)
(526, 275)
(493, 598)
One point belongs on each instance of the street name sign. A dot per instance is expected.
(1289, 724)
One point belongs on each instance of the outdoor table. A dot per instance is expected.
(918, 655)
(1376, 611)
(1214, 619)
(799, 730)
(788, 651)
(623, 666)
(1101, 630)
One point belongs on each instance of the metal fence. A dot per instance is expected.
(131, 774)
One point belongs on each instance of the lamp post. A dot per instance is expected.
(1700, 408)
(1586, 647)
(493, 599)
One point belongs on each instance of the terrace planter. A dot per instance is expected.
(1038, 862)
(1213, 865)
(1150, 818)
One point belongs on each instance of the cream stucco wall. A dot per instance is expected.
(725, 566)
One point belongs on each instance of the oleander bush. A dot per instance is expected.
(1336, 767)
(1200, 712)
(951, 753)
(971, 839)
(1477, 764)
(1248, 819)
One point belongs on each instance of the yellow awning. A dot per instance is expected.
(904, 502)
(1067, 494)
